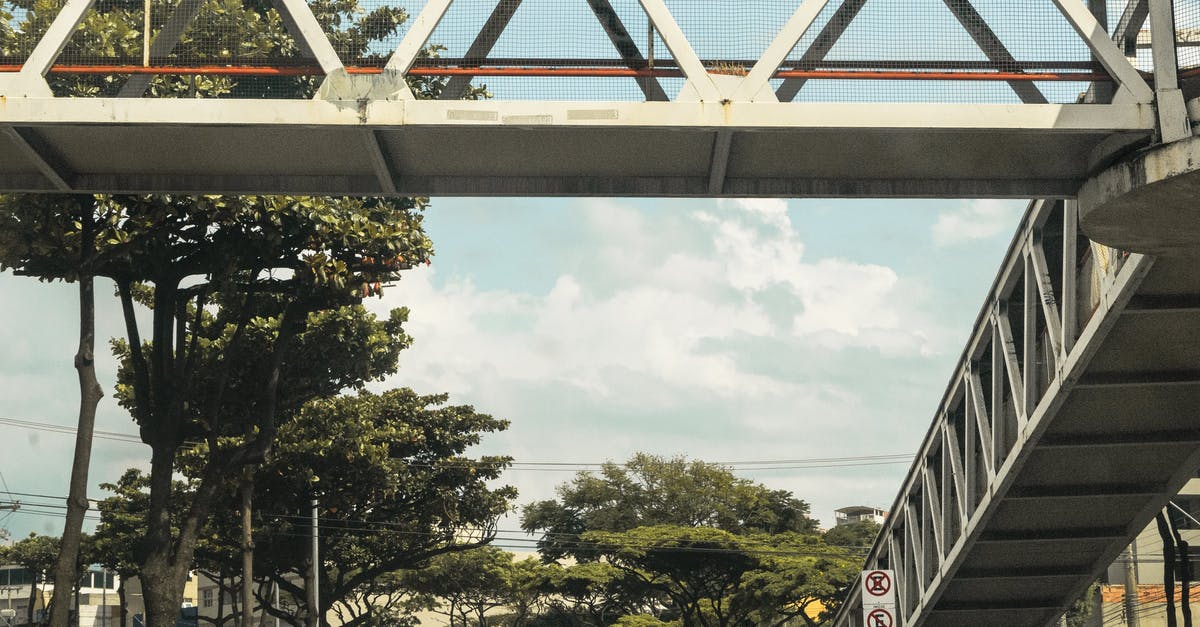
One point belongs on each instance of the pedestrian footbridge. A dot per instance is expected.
(869, 98)
(1075, 408)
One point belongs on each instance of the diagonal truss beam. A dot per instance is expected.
(410, 47)
(681, 49)
(297, 18)
(626, 47)
(820, 47)
(1132, 88)
(40, 155)
(52, 43)
(604, 12)
(303, 25)
(993, 48)
(457, 86)
(168, 37)
(760, 75)
(1131, 22)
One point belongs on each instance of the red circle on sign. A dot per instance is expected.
(878, 583)
(879, 618)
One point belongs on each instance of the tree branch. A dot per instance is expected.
(141, 377)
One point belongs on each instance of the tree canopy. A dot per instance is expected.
(649, 490)
(680, 540)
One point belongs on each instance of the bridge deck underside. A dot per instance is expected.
(1127, 436)
(461, 149)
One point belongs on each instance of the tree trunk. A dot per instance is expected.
(33, 590)
(90, 394)
(247, 489)
(220, 600)
(162, 596)
(162, 580)
(1168, 542)
(121, 599)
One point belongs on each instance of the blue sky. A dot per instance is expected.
(722, 330)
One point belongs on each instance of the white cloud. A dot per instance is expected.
(703, 332)
(976, 220)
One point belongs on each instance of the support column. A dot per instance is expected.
(1173, 121)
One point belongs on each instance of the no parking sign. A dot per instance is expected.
(880, 617)
(879, 598)
(878, 588)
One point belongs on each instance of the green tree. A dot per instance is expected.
(693, 542)
(81, 270)
(260, 272)
(36, 554)
(597, 592)
(393, 487)
(860, 534)
(225, 32)
(650, 490)
(530, 584)
(716, 578)
(466, 585)
(122, 520)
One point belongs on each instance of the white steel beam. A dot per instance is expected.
(414, 41)
(1112, 58)
(999, 412)
(983, 423)
(56, 38)
(882, 117)
(299, 19)
(1045, 289)
(956, 467)
(691, 65)
(932, 515)
(760, 75)
(1007, 348)
(973, 465)
(1070, 307)
(1173, 121)
(1029, 339)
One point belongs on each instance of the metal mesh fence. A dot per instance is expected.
(1002, 51)
(1187, 34)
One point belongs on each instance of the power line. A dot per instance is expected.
(566, 540)
(555, 466)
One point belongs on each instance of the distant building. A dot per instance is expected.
(859, 513)
(98, 599)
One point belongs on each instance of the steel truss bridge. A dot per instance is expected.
(1074, 412)
(804, 98)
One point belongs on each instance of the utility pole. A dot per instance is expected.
(1131, 586)
(312, 590)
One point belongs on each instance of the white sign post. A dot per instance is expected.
(879, 598)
